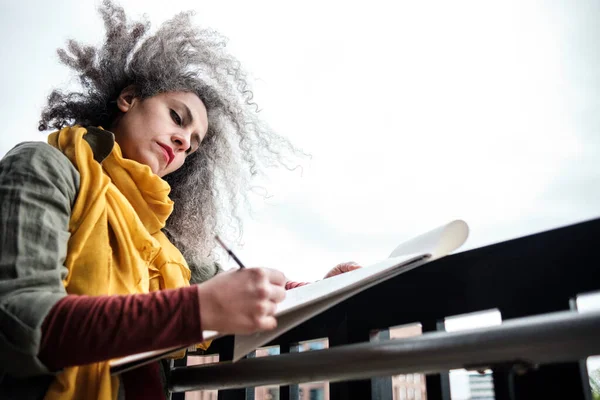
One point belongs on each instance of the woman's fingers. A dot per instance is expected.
(266, 323)
(349, 267)
(276, 277)
(278, 294)
(342, 268)
(242, 301)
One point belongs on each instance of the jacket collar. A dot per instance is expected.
(101, 141)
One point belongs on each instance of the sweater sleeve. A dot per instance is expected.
(38, 186)
(83, 329)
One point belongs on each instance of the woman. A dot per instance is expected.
(103, 228)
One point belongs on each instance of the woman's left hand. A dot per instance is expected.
(341, 268)
(338, 269)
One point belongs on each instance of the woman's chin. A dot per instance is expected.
(157, 170)
(153, 163)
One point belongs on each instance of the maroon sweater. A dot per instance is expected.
(82, 330)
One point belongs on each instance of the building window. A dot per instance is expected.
(317, 394)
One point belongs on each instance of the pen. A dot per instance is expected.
(237, 260)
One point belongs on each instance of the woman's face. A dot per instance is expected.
(160, 131)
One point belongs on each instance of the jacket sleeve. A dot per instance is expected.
(38, 186)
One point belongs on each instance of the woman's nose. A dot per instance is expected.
(182, 141)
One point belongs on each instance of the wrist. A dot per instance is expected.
(210, 307)
(204, 308)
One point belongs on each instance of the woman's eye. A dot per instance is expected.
(176, 118)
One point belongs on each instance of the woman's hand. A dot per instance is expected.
(338, 269)
(241, 301)
(341, 268)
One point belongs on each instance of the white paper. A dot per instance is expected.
(307, 301)
(298, 310)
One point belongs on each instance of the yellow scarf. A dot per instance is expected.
(116, 245)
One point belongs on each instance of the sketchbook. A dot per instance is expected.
(304, 302)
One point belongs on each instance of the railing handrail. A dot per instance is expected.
(524, 342)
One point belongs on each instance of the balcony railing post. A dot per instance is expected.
(226, 354)
(181, 362)
(382, 387)
(583, 369)
(438, 385)
(289, 392)
(347, 332)
(503, 383)
(250, 391)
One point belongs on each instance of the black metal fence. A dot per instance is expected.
(537, 353)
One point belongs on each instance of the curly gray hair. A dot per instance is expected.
(178, 57)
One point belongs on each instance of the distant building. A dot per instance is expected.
(308, 391)
(481, 386)
(468, 385)
(408, 386)
(202, 394)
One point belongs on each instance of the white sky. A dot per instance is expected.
(415, 113)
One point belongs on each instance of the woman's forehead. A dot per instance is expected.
(190, 98)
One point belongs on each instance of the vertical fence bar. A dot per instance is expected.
(251, 391)
(289, 392)
(503, 383)
(182, 362)
(438, 385)
(347, 332)
(583, 369)
(381, 387)
(226, 354)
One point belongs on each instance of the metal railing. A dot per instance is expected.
(536, 353)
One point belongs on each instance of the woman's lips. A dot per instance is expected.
(168, 152)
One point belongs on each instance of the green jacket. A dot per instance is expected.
(38, 188)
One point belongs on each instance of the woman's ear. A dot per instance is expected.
(125, 99)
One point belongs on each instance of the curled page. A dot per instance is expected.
(438, 242)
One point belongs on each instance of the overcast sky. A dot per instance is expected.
(415, 114)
